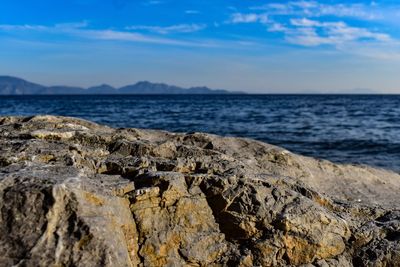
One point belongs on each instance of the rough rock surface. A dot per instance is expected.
(74, 193)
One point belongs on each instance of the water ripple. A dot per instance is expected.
(351, 129)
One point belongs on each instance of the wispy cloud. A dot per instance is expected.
(192, 12)
(24, 27)
(112, 35)
(81, 30)
(277, 27)
(307, 32)
(317, 9)
(313, 23)
(56, 27)
(237, 18)
(152, 2)
(180, 28)
(333, 27)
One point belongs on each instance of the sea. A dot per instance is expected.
(355, 129)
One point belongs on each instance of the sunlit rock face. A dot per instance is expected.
(74, 193)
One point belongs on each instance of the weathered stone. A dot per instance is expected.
(74, 193)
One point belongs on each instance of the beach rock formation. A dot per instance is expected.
(74, 193)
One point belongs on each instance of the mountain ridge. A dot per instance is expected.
(10, 85)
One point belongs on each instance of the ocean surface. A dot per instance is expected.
(357, 129)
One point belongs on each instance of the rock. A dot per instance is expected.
(74, 193)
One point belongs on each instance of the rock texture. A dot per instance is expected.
(74, 193)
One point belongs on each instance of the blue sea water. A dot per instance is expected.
(358, 129)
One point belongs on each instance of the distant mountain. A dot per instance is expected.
(150, 88)
(103, 89)
(206, 90)
(16, 86)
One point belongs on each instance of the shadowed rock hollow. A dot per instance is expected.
(74, 193)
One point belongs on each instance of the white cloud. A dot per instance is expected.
(81, 30)
(354, 10)
(308, 32)
(304, 22)
(192, 12)
(307, 37)
(56, 27)
(113, 35)
(304, 4)
(317, 9)
(248, 18)
(82, 24)
(152, 2)
(25, 27)
(180, 28)
(277, 27)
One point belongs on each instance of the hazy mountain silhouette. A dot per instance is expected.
(16, 86)
(102, 89)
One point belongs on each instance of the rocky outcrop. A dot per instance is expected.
(74, 193)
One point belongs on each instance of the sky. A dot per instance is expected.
(257, 46)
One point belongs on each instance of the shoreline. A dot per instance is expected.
(361, 130)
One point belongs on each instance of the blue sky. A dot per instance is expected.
(249, 45)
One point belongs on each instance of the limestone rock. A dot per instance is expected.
(74, 193)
